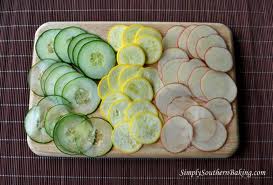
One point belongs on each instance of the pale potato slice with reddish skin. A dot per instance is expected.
(179, 105)
(170, 38)
(170, 54)
(197, 33)
(219, 59)
(205, 43)
(196, 112)
(176, 134)
(221, 109)
(214, 143)
(194, 82)
(168, 93)
(204, 129)
(182, 40)
(170, 70)
(218, 85)
(186, 69)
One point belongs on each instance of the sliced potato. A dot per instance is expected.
(145, 127)
(149, 31)
(196, 112)
(179, 105)
(219, 59)
(171, 37)
(115, 36)
(131, 54)
(169, 71)
(205, 43)
(116, 111)
(168, 93)
(122, 140)
(204, 129)
(152, 47)
(218, 85)
(152, 75)
(186, 69)
(182, 40)
(176, 134)
(113, 75)
(140, 106)
(216, 142)
(221, 109)
(129, 34)
(127, 73)
(197, 33)
(138, 88)
(103, 88)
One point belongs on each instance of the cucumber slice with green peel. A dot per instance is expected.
(63, 39)
(127, 73)
(122, 140)
(117, 111)
(48, 71)
(83, 94)
(65, 133)
(131, 54)
(79, 45)
(138, 88)
(53, 76)
(74, 42)
(152, 75)
(50, 101)
(103, 141)
(96, 59)
(85, 135)
(53, 115)
(145, 127)
(63, 80)
(114, 75)
(103, 88)
(107, 102)
(34, 125)
(140, 106)
(35, 75)
(45, 45)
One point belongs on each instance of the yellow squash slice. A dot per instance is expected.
(115, 36)
(131, 54)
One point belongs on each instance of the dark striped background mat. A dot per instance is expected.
(252, 25)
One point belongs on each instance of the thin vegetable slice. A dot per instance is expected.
(182, 40)
(152, 75)
(171, 37)
(196, 112)
(113, 76)
(204, 129)
(145, 127)
(131, 54)
(179, 105)
(128, 36)
(103, 88)
(149, 31)
(169, 71)
(115, 36)
(140, 106)
(138, 88)
(176, 134)
(116, 112)
(127, 73)
(122, 140)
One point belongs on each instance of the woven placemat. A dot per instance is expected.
(252, 25)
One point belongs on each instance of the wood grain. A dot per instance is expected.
(147, 151)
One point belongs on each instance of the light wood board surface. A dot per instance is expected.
(154, 150)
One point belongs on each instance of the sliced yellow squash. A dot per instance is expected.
(113, 77)
(129, 34)
(131, 54)
(115, 36)
(149, 31)
(138, 88)
(127, 73)
(117, 111)
(103, 88)
(152, 47)
(152, 75)
(140, 106)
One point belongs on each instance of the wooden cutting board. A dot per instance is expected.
(154, 150)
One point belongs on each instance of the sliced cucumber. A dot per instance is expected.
(113, 77)
(34, 125)
(140, 106)
(50, 101)
(79, 45)
(83, 94)
(96, 59)
(48, 71)
(117, 111)
(127, 73)
(74, 42)
(103, 88)
(63, 80)
(63, 39)
(65, 133)
(45, 45)
(122, 140)
(115, 36)
(53, 76)
(53, 115)
(35, 75)
(152, 75)
(131, 54)
(85, 135)
(138, 88)
(145, 127)
(107, 102)
(103, 141)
